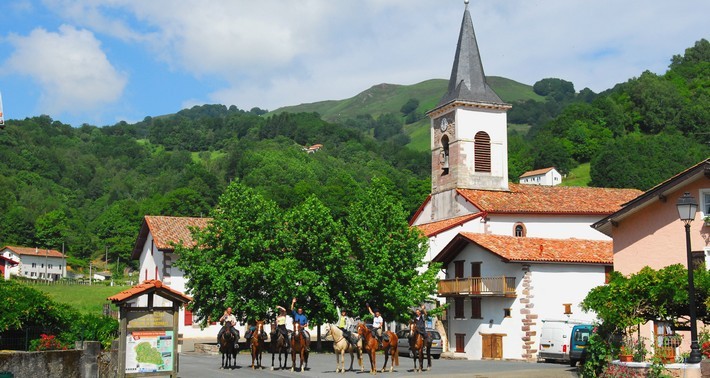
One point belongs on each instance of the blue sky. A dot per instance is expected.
(100, 62)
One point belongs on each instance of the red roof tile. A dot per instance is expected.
(148, 287)
(433, 228)
(34, 251)
(167, 231)
(540, 199)
(524, 249)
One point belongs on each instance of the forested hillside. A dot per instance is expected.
(87, 188)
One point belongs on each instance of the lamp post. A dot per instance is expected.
(687, 206)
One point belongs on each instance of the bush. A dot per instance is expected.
(47, 342)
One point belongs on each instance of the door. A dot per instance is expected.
(460, 337)
(492, 346)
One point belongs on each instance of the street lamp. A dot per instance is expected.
(687, 206)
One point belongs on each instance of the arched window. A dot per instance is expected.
(444, 161)
(482, 152)
(519, 230)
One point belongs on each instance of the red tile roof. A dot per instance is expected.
(167, 231)
(537, 172)
(537, 199)
(148, 287)
(433, 228)
(33, 251)
(524, 249)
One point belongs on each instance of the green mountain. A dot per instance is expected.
(389, 98)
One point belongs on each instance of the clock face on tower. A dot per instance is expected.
(444, 124)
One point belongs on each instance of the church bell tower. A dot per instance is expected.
(469, 139)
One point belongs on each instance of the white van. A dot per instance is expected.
(555, 339)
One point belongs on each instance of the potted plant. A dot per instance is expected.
(706, 219)
(626, 351)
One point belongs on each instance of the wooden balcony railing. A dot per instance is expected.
(478, 286)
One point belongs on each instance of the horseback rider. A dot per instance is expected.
(377, 323)
(300, 318)
(250, 332)
(281, 325)
(343, 323)
(229, 321)
(420, 322)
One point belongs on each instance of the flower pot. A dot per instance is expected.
(705, 367)
(626, 358)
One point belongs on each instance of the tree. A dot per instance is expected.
(234, 262)
(51, 229)
(388, 254)
(411, 105)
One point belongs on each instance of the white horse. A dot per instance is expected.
(340, 346)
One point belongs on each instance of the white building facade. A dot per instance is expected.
(36, 263)
(546, 176)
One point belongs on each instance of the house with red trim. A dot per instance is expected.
(5, 265)
(647, 231)
(512, 255)
(35, 263)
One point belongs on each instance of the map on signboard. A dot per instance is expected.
(149, 351)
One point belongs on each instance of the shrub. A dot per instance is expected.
(47, 342)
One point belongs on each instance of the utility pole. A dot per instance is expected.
(91, 276)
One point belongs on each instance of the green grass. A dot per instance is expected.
(578, 176)
(87, 299)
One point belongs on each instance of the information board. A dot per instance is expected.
(149, 351)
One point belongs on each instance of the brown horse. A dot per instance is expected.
(341, 345)
(417, 345)
(257, 344)
(371, 346)
(279, 345)
(299, 345)
(228, 347)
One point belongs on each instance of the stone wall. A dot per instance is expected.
(77, 363)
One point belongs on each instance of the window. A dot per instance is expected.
(506, 313)
(476, 308)
(50, 266)
(34, 265)
(482, 152)
(705, 202)
(607, 273)
(445, 155)
(458, 269)
(42, 266)
(458, 308)
(475, 269)
(519, 230)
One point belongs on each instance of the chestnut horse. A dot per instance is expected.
(257, 344)
(228, 348)
(417, 345)
(299, 345)
(341, 345)
(371, 346)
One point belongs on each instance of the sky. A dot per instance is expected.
(102, 62)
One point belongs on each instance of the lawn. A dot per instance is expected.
(87, 299)
(579, 176)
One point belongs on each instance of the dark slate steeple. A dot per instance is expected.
(468, 82)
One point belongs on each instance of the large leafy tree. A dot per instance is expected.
(388, 254)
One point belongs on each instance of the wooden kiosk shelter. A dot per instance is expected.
(148, 341)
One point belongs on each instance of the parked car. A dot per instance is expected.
(403, 343)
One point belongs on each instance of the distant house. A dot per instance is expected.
(647, 230)
(312, 148)
(102, 276)
(36, 263)
(5, 265)
(545, 176)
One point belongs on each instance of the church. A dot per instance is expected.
(513, 256)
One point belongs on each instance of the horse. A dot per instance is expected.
(257, 344)
(299, 345)
(372, 346)
(279, 344)
(341, 345)
(417, 345)
(228, 347)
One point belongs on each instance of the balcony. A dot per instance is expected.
(478, 287)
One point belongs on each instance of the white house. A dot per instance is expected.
(513, 255)
(36, 263)
(5, 265)
(545, 176)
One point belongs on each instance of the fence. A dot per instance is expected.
(73, 281)
(20, 339)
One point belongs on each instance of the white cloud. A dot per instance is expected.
(74, 74)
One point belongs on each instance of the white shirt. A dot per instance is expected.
(230, 319)
(377, 322)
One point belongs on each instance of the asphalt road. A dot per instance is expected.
(194, 365)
